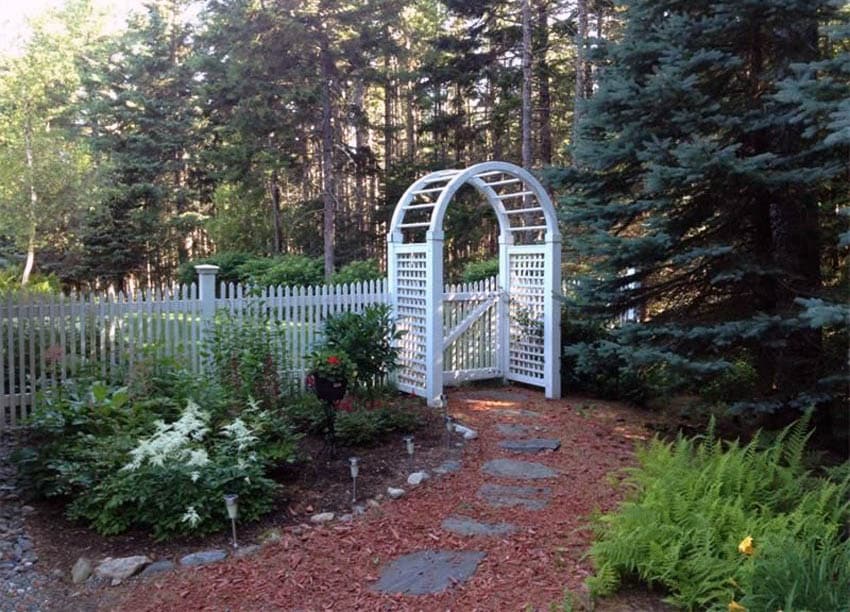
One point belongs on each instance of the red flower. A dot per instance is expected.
(333, 360)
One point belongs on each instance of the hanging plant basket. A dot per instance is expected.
(329, 390)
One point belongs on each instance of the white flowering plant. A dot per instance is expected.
(176, 478)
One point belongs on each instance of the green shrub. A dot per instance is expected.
(228, 263)
(124, 461)
(284, 271)
(247, 354)
(306, 413)
(480, 270)
(174, 480)
(363, 427)
(694, 503)
(368, 339)
(737, 382)
(357, 271)
(10, 282)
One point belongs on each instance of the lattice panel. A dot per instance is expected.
(411, 318)
(527, 288)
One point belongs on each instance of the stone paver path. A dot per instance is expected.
(531, 445)
(508, 496)
(489, 533)
(519, 470)
(428, 571)
(463, 525)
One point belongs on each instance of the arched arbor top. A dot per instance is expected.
(523, 208)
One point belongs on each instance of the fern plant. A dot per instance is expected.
(695, 500)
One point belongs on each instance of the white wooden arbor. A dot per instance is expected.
(526, 321)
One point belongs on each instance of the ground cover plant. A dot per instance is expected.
(714, 523)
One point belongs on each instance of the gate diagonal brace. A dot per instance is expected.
(469, 320)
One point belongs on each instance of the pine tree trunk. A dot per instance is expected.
(544, 98)
(360, 143)
(527, 160)
(277, 227)
(578, 96)
(328, 196)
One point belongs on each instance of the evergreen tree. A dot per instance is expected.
(704, 186)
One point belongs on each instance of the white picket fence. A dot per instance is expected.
(45, 340)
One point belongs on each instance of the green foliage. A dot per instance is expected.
(368, 338)
(284, 271)
(480, 270)
(737, 382)
(10, 282)
(174, 479)
(357, 271)
(365, 427)
(705, 177)
(247, 354)
(306, 413)
(333, 364)
(228, 263)
(694, 501)
(132, 457)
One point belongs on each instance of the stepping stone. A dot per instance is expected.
(520, 470)
(513, 430)
(448, 466)
(515, 412)
(531, 445)
(428, 571)
(463, 525)
(203, 557)
(502, 496)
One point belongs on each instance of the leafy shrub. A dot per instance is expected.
(10, 282)
(228, 263)
(480, 270)
(737, 382)
(285, 271)
(175, 479)
(364, 427)
(696, 500)
(368, 339)
(247, 355)
(125, 461)
(306, 413)
(357, 271)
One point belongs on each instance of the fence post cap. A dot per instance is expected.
(206, 268)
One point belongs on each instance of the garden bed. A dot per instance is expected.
(316, 483)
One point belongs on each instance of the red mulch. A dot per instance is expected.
(333, 567)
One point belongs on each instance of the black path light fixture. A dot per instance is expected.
(231, 502)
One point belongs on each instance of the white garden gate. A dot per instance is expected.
(521, 313)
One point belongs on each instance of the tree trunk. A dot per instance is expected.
(360, 144)
(328, 199)
(274, 196)
(527, 160)
(388, 114)
(544, 98)
(581, 40)
(31, 213)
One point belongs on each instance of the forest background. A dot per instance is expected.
(699, 152)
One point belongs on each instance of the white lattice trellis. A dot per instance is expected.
(518, 319)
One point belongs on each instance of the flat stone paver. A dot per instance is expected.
(504, 496)
(464, 525)
(515, 430)
(514, 412)
(448, 466)
(520, 470)
(428, 571)
(531, 445)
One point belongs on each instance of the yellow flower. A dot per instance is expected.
(734, 606)
(746, 546)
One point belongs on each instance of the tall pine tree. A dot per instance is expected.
(701, 194)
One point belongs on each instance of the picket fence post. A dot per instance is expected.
(206, 296)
